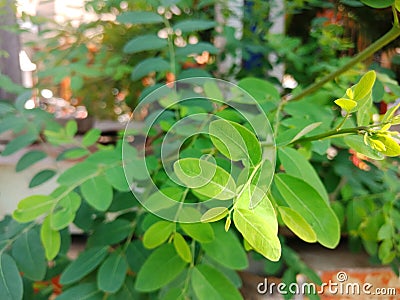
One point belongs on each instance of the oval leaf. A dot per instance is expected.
(97, 192)
(144, 43)
(139, 17)
(28, 159)
(209, 283)
(202, 233)
(10, 281)
(112, 273)
(87, 291)
(205, 178)
(296, 223)
(194, 25)
(146, 66)
(51, 239)
(182, 248)
(305, 200)
(41, 177)
(86, 262)
(32, 207)
(164, 258)
(157, 234)
(214, 214)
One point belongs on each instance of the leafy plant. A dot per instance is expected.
(173, 217)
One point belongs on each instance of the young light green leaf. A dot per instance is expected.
(346, 104)
(297, 165)
(364, 87)
(73, 153)
(41, 177)
(205, 178)
(258, 233)
(158, 234)
(71, 128)
(392, 148)
(226, 249)
(139, 17)
(390, 113)
(356, 142)
(86, 262)
(11, 287)
(306, 201)
(144, 43)
(97, 192)
(32, 207)
(378, 4)
(148, 65)
(28, 159)
(255, 199)
(112, 273)
(202, 233)
(29, 255)
(87, 291)
(182, 248)
(235, 141)
(65, 211)
(209, 283)
(163, 258)
(214, 214)
(296, 223)
(51, 239)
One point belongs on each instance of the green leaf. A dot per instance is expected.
(205, 178)
(202, 233)
(73, 153)
(390, 113)
(11, 287)
(226, 249)
(305, 131)
(77, 83)
(194, 25)
(32, 207)
(198, 48)
(306, 201)
(235, 141)
(136, 255)
(258, 233)
(364, 87)
(84, 291)
(144, 43)
(19, 143)
(214, 214)
(51, 239)
(182, 248)
(397, 4)
(163, 258)
(209, 283)
(346, 104)
(255, 199)
(116, 177)
(77, 174)
(139, 17)
(71, 128)
(296, 223)
(28, 159)
(97, 192)
(157, 234)
(29, 255)
(86, 262)
(297, 165)
(262, 90)
(65, 211)
(378, 4)
(110, 233)
(41, 177)
(392, 148)
(148, 65)
(91, 137)
(356, 142)
(112, 273)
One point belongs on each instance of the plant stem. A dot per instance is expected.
(391, 35)
(331, 134)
